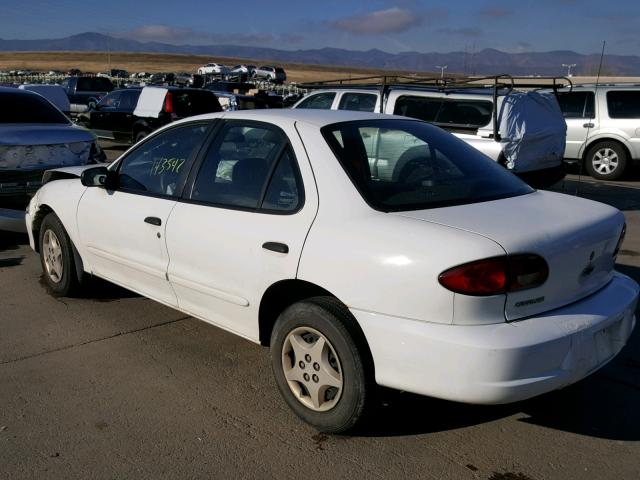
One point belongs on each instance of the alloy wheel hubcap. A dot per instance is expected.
(312, 369)
(52, 254)
(605, 161)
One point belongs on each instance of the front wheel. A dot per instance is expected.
(606, 161)
(322, 364)
(56, 257)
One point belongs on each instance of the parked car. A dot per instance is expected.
(35, 136)
(84, 90)
(128, 115)
(531, 130)
(54, 93)
(603, 127)
(241, 73)
(119, 73)
(235, 101)
(270, 74)
(162, 78)
(213, 69)
(362, 248)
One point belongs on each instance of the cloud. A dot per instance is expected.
(470, 32)
(178, 35)
(391, 20)
(495, 12)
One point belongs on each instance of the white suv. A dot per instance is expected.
(528, 140)
(603, 127)
(213, 69)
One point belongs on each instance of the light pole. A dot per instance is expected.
(568, 66)
(442, 68)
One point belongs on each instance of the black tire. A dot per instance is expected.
(598, 152)
(140, 135)
(66, 283)
(334, 322)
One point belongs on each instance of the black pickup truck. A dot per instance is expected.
(84, 90)
(124, 116)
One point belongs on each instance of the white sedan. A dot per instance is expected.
(213, 68)
(363, 249)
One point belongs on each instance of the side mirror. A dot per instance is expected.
(93, 105)
(99, 177)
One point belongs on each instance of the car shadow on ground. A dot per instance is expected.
(622, 195)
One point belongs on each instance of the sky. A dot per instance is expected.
(392, 26)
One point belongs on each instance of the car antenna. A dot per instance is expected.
(592, 115)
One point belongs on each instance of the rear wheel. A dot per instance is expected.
(56, 257)
(606, 161)
(322, 364)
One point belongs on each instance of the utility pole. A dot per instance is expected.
(442, 68)
(568, 66)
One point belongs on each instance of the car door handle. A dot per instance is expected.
(153, 221)
(588, 125)
(276, 247)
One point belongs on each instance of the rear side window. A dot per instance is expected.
(192, 102)
(249, 167)
(359, 102)
(576, 104)
(623, 103)
(158, 165)
(319, 101)
(129, 99)
(445, 112)
(28, 108)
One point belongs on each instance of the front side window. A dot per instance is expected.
(623, 103)
(250, 166)
(159, 165)
(359, 102)
(576, 104)
(319, 101)
(399, 165)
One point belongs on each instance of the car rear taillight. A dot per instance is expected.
(620, 240)
(168, 103)
(497, 275)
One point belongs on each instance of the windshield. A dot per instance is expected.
(28, 108)
(401, 165)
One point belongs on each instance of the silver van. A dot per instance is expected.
(603, 127)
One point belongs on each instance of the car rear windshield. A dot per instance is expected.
(446, 112)
(399, 165)
(193, 102)
(28, 108)
(94, 84)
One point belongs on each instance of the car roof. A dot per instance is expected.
(319, 118)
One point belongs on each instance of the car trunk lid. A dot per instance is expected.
(576, 237)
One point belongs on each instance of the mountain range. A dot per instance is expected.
(487, 61)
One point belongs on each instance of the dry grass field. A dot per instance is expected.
(153, 62)
(157, 62)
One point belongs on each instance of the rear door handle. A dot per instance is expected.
(153, 221)
(276, 247)
(588, 125)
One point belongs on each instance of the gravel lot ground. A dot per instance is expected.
(115, 386)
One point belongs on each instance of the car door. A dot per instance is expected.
(241, 224)
(579, 114)
(122, 231)
(101, 117)
(122, 118)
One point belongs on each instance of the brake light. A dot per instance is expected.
(168, 103)
(497, 275)
(620, 240)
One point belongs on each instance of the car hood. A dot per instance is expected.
(576, 237)
(18, 134)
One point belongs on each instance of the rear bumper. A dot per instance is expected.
(505, 362)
